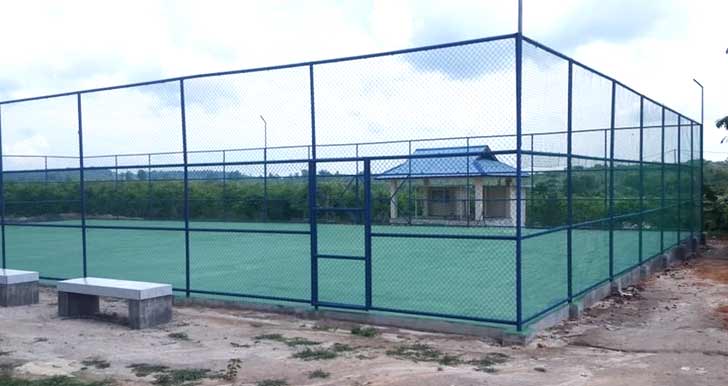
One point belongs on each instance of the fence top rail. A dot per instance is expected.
(274, 67)
(334, 145)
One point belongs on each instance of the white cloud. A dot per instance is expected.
(56, 46)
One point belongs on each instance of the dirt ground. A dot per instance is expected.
(672, 330)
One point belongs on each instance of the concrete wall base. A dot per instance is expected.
(19, 294)
(588, 299)
(150, 312)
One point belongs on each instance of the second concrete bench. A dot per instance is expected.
(150, 304)
(18, 288)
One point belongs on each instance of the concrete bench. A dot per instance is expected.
(150, 304)
(18, 288)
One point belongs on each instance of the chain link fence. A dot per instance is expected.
(491, 181)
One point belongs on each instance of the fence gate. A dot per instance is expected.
(341, 234)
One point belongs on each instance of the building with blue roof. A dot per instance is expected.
(457, 184)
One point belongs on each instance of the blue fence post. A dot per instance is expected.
(466, 204)
(519, 174)
(692, 182)
(642, 177)
(265, 178)
(368, 233)
(186, 186)
(611, 183)
(312, 212)
(2, 193)
(82, 186)
(224, 186)
(569, 182)
(663, 215)
(149, 184)
(679, 177)
(410, 208)
(702, 163)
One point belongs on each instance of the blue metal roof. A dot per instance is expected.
(483, 164)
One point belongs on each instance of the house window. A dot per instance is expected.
(498, 202)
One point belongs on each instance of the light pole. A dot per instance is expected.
(702, 119)
(520, 17)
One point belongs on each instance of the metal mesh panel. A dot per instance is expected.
(54, 252)
(249, 111)
(258, 264)
(466, 90)
(144, 255)
(545, 274)
(472, 278)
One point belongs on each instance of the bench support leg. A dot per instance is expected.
(20, 294)
(150, 312)
(71, 304)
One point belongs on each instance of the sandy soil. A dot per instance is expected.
(672, 330)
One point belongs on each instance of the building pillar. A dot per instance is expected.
(460, 197)
(393, 214)
(479, 198)
(512, 203)
(523, 205)
(426, 202)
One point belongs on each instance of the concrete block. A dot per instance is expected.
(645, 271)
(150, 312)
(577, 306)
(627, 279)
(13, 276)
(74, 305)
(19, 294)
(122, 289)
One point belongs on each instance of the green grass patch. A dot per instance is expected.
(417, 352)
(272, 382)
(164, 376)
(341, 347)
(145, 369)
(315, 354)
(486, 362)
(366, 332)
(96, 363)
(6, 380)
(291, 342)
(180, 377)
(179, 336)
(318, 374)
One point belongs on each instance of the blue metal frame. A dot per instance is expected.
(569, 184)
(642, 176)
(663, 216)
(186, 186)
(611, 183)
(679, 178)
(312, 212)
(2, 195)
(81, 183)
(364, 210)
(519, 166)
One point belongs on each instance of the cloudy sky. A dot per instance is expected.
(656, 47)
